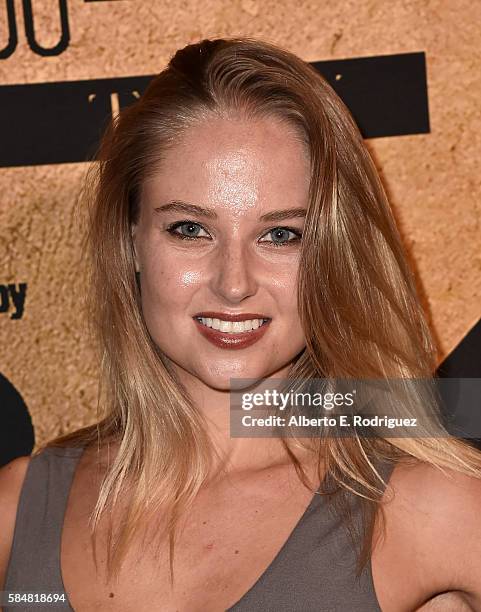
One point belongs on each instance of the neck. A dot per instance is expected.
(237, 454)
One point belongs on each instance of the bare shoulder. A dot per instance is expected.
(439, 499)
(433, 534)
(12, 476)
(441, 507)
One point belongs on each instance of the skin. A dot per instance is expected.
(433, 538)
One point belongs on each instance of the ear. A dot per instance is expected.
(133, 230)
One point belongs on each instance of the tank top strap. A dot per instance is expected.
(34, 564)
(385, 469)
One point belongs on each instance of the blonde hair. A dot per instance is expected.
(357, 299)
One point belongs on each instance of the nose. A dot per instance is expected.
(233, 276)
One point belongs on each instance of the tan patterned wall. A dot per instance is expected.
(432, 179)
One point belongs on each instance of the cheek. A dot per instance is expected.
(284, 289)
(284, 286)
(166, 294)
(167, 285)
(295, 330)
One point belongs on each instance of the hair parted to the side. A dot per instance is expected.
(357, 299)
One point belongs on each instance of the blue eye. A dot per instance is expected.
(190, 230)
(281, 235)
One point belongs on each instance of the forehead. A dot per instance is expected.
(233, 165)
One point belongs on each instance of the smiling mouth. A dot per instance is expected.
(232, 327)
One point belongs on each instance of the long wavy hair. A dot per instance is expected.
(357, 298)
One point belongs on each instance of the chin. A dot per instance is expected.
(221, 380)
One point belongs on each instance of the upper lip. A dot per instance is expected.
(230, 317)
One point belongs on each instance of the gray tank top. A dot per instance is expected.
(314, 571)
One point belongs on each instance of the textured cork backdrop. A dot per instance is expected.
(432, 178)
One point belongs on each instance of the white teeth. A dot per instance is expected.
(232, 327)
(225, 326)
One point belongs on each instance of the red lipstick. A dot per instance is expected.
(226, 340)
(224, 316)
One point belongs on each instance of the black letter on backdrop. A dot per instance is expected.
(12, 31)
(30, 31)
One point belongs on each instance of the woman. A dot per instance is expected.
(238, 188)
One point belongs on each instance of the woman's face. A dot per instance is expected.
(218, 236)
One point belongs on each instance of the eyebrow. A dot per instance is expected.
(208, 213)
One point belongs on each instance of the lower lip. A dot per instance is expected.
(232, 341)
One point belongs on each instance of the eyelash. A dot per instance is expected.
(173, 226)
